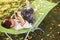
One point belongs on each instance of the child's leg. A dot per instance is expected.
(27, 3)
(36, 9)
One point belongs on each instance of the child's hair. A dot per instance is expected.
(7, 23)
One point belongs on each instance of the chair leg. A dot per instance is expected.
(37, 29)
(8, 36)
(32, 30)
(27, 34)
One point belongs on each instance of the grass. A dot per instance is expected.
(49, 25)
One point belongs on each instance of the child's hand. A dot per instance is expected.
(15, 15)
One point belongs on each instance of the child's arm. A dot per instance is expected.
(19, 17)
(21, 20)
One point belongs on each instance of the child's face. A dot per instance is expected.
(12, 22)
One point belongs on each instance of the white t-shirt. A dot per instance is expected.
(19, 27)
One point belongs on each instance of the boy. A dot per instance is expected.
(17, 23)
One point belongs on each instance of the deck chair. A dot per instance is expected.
(44, 7)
